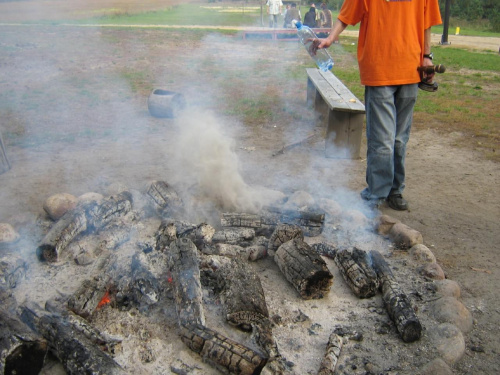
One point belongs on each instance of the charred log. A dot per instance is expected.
(325, 249)
(21, 350)
(282, 234)
(357, 272)
(304, 269)
(263, 334)
(329, 362)
(221, 352)
(70, 225)
(201, 235)
(77, 353)
(12, 270)
(234, 236)
(265, 223)
(396, 301)
(79, 220)
(184, 267)
(242, 295)
(164, 196)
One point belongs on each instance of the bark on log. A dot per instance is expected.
(282, 234)
(265, 222)
(184, 267)
(221, 352)
(234, 236)
(304, 269)
(164, 197)
(21, 350)
(325, 249)
(77, 221)
(242, 295)
(329, 362)
(357, 272)
(77, 353)
(396, 301)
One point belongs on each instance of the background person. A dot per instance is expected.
(292, 14)
(398, 33)
(310, 17)
(274, 10)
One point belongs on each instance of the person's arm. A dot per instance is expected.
(337, 29)
(427, 50)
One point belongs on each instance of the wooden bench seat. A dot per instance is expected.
(340, 110)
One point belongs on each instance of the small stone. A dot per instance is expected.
(436, 367)
(451, 310)
(420, 252)
(385, 223)
(8, 235)
(448, 288)
(432, 271)
(449, 342)
(58, 204)
(405, 237)
(331, 207)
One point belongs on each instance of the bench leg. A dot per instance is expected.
(343, 135)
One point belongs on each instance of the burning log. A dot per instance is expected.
(265, 223)
(77, 353)
(90, 293)
(184, 267)
(396, 301)
(21, 350)
(304, 269)
(282, 234)
(332, 354)
(357, 272)
(226, 355)
(77, 221)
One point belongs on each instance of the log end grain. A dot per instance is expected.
(46, 252)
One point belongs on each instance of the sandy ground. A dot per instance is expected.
(452, 191)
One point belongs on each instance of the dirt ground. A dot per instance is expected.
(109, 137)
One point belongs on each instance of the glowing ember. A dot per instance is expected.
(104, 300)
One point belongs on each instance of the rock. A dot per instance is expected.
(58, 204)
(384, 224)
(116, 188)
(299, 200)
(448, 288)
(422, 253)
(331, 207)
(405, 237)
(432, 271)
(8, 234)
(436, 367)
(451, 310)
(449, 342)
(356, 217)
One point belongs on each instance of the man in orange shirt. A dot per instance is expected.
(394, 39)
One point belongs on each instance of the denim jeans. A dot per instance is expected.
(389, 114)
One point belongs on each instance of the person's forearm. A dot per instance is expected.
(337, 29)
(427, 41)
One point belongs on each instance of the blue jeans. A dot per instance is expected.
(389, 114)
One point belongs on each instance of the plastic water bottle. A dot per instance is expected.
(306, 37)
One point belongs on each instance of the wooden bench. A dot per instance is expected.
(279, 34)
(340, 109)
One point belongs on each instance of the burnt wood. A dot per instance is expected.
(304, 269)
(265, 222)
(397, 303)
(234, 236)
(82, 218)
(13, 269)
(325, 249)
(21, 350)
(183, 264)
(225, 354)
(329, 362)
(282, 234)
(357, 272)
(164, 196)
(77, 353)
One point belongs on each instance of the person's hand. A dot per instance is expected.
(318, 44)
(428, 62)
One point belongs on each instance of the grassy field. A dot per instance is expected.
(466, 102)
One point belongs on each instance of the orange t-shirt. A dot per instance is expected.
(391, 37)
